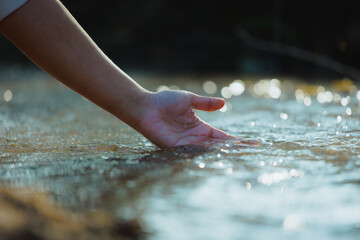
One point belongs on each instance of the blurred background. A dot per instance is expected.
(308, 39)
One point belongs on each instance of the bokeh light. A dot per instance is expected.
(226, 93)
(237, 87)
(162, 88)
(8, 95)
(209, 87)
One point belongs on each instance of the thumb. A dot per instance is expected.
(206, 103)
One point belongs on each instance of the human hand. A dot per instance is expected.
(168, 119)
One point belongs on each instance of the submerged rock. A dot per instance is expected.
(26, 214)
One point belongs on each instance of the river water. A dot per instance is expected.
(302, 182)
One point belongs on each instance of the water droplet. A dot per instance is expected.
(224, 108)
(201, 165)
(252, 123)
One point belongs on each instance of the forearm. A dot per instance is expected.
(46, 32)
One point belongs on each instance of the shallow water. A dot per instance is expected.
(303, 181)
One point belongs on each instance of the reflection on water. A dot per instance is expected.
(302, 182)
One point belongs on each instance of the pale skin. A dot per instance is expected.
(47, 33)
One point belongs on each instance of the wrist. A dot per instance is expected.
(134, 107)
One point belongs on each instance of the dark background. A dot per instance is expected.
(182, 37)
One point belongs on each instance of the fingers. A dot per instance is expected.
(206, 103)
(218, 134)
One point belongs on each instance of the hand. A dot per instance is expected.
(168, 119)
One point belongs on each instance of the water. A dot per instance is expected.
(303, 182)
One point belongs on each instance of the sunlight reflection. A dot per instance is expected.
(324, 97)
(284, 116)
(358, 95)
(339, 118)
(348, 111)
(224, 108)
(268, 88)
(226, 93)
(337, 98)
(229, 171)
(8, 95)
(293, 222)
(162, 88)
(307, 101)
(299, 95)
(237, 87)
(274, 92)
(270, 178)
(210, 87)
(345, 101)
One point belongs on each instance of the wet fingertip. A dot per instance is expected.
(219, 103)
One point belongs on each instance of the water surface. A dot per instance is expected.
(303, 182)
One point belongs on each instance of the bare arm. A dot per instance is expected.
(47, 33)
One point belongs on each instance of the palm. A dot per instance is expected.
(170, 120)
